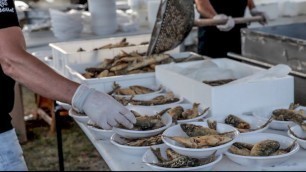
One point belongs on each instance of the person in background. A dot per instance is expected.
(18, 65)
(217, 41)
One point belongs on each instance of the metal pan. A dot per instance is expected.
(175, 19)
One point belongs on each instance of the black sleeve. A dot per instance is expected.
(8, 15)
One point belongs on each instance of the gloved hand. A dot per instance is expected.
(229, 24)
(101, 108)
(256, 12)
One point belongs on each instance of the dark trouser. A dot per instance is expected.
(216, 44)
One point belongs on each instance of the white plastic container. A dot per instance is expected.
(230, 98)
(66, 53)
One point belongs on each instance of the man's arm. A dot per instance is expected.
(29, 71)
(251, 4)
(255, 12)
(205, 8)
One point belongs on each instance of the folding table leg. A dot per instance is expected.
(58, 124)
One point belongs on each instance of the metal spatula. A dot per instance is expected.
(175, 19)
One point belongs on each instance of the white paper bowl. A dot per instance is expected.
(152, 96)
(299, 132)
(78, 117)
(202, 152)
(118, 141)
(266, 113)
(100, 134)
(253, 121)
(189, 106)
(263, 161)
(149, 157)
(166, 119)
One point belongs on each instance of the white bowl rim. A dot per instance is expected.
(72, 113)
(203, 149)
(98, 130)
(113, 141)
(292, 136)
(295, 149)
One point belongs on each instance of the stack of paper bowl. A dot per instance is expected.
(66, 26)
(103, 16)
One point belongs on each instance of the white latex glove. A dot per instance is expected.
(256, 12)
(102, 108)
(229, 24)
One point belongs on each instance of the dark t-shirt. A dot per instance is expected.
(8, 18)
(215, 43)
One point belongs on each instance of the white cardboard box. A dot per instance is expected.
(65, 53)
(74, 72)
(230, 98)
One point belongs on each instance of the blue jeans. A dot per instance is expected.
(11, 154)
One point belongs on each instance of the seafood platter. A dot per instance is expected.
(262, 149)
(136, 146)
(147, 124)
(163, 158)
(183, 113)
(221, 85)
(283, 116)
(200, 139)
(245, 124)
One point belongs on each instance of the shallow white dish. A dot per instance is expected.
(202, 152)
(78, 117)
(263, 161)
(118, 141)
(189, 106)
(152, 96)
(100, 134)
(299, 132)
(166, 119)
(266, 113)
(253, 121)
(149, 158)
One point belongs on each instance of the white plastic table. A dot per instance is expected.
(120, 161)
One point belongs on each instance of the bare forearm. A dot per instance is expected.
(29, 71)
(251, 4)
(205, 8)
